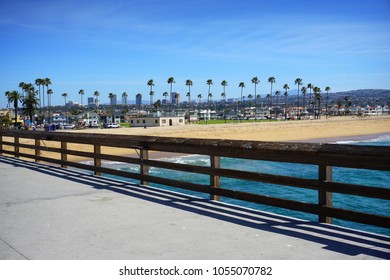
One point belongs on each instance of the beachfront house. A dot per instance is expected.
(150, 121)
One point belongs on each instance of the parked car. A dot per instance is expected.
(113, 125)
(93, 125)
(69, 126)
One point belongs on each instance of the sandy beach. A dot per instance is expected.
(303, 130)
(323, 130)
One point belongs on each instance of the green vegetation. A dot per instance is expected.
(228, 121)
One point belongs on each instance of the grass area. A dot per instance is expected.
(124, 124)
(229, 121)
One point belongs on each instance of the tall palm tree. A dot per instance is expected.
(269, 102)
(310, 87)
(112, 96)
(285, 102)
(170, 81)
(151, 92)
(209, 96)
(317, 101)
(14, 97)
(223, 95)
(96, 94)
(189, 84)
(40, 82)
(200, 99)
(124, 97)
(49, 94)
(224, 84)
(30, 103)
(22, 85)
(255, 81)
(209, 82)
(304, 90)
(165, 94)
(65, 95)
(277, 94)
(81, 92)
(327, 89)
(298, 81)
(45, 82)
(271, 80)
(241, 85)
(286, 88)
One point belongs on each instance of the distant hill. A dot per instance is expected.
(360, 97)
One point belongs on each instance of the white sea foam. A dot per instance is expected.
(382, 138)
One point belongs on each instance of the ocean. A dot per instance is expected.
(347, 175)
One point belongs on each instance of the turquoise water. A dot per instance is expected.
(347, 175)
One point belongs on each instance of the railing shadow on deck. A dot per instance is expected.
(333, 238)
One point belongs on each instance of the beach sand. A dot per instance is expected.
(325, 130)
(267, 131)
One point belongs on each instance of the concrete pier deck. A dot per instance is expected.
(49, 213)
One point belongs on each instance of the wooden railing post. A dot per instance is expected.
(64, 155)
(144, 169)
(215, 162)
(16, 141)
(324, 197)
(37, 150)
(1, 143)
(97, 161)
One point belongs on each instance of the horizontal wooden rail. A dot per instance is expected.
(325, 156)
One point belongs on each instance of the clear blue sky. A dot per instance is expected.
(117, 46)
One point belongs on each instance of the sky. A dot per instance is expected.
(119, 45)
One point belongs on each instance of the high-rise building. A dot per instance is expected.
(138, 99)
(175, 98)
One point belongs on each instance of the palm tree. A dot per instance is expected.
(170, 81)
(255, 81)
(189, 84)
(298, 81)
(327, 89)
(112, 96)
(30, 102)
(269, 97)
(200, 98)
(188, 95)
(310, 87)
(277, 94)
(165, 94)
(15, 97)
(271, 80)
(151, 92)
(45, 82)
(65, 95)
(96, 94)
(81, 92)
(241, 85)
(286, 88)
(304, 90)
(124, 97)
(39, 82)
(317, 101)
(22, 85)
(209, 82)
(285, 102)
(49, 94)
(209, 96)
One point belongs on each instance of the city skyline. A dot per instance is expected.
(119, 46)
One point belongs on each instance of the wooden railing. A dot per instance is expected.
(325, 156)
